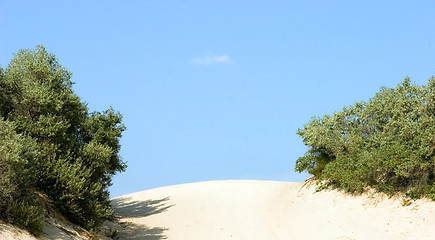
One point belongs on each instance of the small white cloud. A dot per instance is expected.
(210, 60)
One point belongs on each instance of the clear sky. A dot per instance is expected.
(213, 90)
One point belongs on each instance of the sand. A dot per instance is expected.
(251, 210)
(9, 232)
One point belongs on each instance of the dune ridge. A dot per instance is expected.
(252, 210)
(249, 209)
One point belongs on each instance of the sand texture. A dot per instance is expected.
(252, 210)
(259, 210)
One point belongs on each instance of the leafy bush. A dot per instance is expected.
(387, 143)
(77, 151)
(17, 200)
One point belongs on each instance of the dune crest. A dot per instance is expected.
(243, 209)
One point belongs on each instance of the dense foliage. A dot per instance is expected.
(51, 143)
(387, 143)
(17, 199)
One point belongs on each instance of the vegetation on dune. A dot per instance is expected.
(51, 143)
(17, 198)
(387, 143)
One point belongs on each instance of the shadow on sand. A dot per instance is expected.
(124, 207)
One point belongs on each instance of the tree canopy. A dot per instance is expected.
(387, 143)
(51, 143)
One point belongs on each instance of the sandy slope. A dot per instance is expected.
(52, 231)
(56, 227)
(9, 232)
(253, 210)
(250, 210)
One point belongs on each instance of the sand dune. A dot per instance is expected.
(254, 210)
(250, 210)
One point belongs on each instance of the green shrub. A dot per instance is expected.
(77, 151)
(17, 198)
(387, 143)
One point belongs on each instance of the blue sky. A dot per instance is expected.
(214, 90)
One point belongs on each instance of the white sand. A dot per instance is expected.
(9, 232)
(250, 210)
